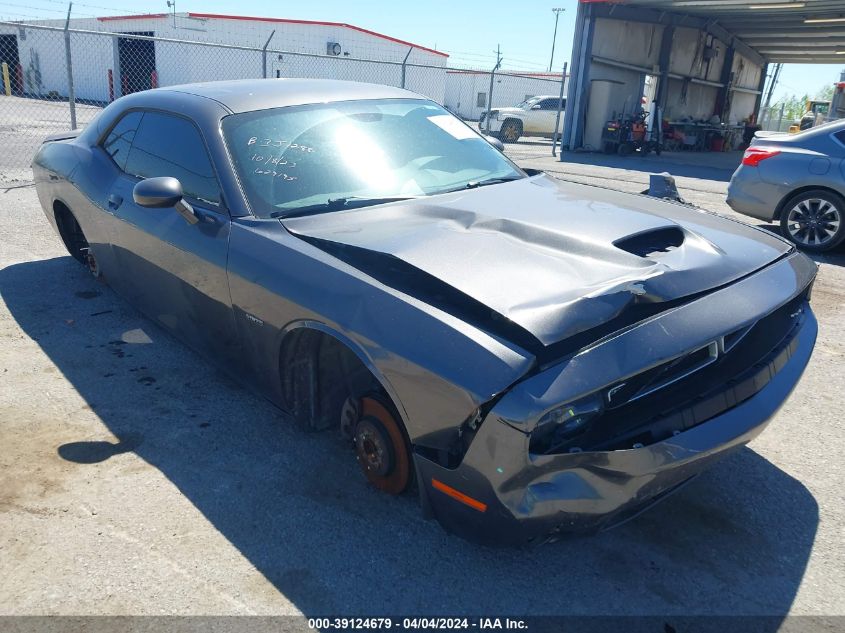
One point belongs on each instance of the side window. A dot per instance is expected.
(840, 136)
(167, 145)
(119, 140)
(549, 104)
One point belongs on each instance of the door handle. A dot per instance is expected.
(115, 201)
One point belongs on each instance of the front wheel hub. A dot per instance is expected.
(381, 447)
(372, 443)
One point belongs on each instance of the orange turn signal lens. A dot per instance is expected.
(457, 494)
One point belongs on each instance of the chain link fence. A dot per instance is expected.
(55, 79)
(777, 118)
(780, 118)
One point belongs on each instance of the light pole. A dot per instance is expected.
(557, 13)
(172, 6)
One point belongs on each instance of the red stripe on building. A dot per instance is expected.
(217, 16)
(510, 73)
(147, 16)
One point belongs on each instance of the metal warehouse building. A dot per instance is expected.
(107, 66)
(704, 58)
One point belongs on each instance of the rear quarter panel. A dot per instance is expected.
(798, 167)
(71, 173)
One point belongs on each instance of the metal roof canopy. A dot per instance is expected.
(780, 31)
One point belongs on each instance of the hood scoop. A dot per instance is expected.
(651, 244)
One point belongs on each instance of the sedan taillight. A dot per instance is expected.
(753, 155)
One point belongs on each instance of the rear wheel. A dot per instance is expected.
(813, 220)
(71, 234)
(511, 131)
(74, 239)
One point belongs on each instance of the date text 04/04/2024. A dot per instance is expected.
(424, 623)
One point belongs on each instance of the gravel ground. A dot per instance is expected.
(25, 122)
(137, 479)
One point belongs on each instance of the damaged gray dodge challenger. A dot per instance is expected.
(530, 356)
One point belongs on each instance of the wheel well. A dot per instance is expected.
(318, 373)
(792, 194)
(512, 120)
(70, 231)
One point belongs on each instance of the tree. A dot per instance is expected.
(825, 93)
(793, 110)
(794, 107)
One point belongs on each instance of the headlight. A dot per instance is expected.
(562, 424)
(494, 114)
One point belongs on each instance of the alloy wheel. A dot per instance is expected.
(813, 222)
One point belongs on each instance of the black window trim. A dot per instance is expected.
(221, 206)
(105, 135)
(836, 139)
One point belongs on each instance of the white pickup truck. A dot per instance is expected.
(533, 117)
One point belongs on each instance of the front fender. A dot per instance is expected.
(437, 368)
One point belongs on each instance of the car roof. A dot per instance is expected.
(246, 95)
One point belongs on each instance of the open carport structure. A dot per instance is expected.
(701, 58)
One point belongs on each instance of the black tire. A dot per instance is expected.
(814, 220)
(511, 131)
(625, 149)
(71, 234)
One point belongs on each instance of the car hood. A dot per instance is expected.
(539, 260)
(509, 110)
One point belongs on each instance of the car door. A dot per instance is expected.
(546, 115)
(173, 271)
(531, 120)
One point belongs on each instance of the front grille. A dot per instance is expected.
(685, 392)
(662, 376)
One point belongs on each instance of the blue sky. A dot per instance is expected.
(469, 30)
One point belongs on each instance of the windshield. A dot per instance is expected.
(526, 105)
(323, 156)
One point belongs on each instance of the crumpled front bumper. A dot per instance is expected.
(495, 123)
(522, 497)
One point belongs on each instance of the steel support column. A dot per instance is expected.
(724, 94)
(761, 87)
(664, 62)
(579, 79)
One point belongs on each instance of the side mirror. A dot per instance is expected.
(535, 107)
(163, 193)
(495, 143)
(157, 193)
